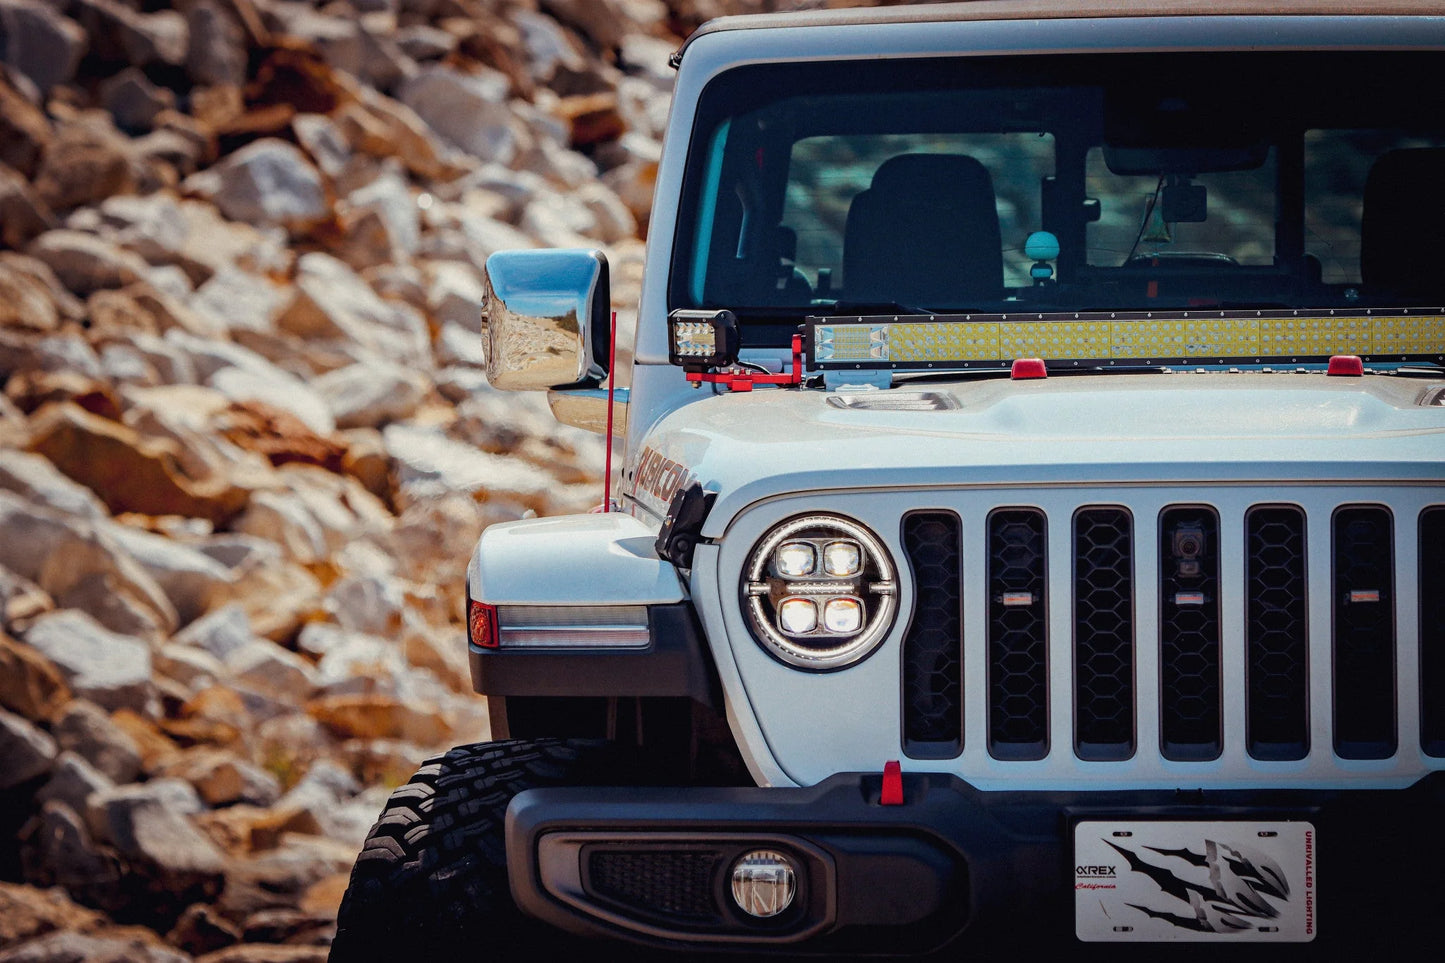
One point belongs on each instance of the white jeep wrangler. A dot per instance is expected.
(1032, 522)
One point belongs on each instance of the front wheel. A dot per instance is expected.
(432, 874)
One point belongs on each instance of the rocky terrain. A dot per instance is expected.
(245, 442)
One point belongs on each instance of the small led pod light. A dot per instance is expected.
(798, 616)
(843, 616)
(842, 558)
(796, 560)
(702, 339)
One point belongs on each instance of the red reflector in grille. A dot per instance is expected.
(1346, 365)
(482, 624)
(1026, 368)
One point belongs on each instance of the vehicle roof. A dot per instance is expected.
(1069, 9)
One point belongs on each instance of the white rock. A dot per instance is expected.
(33, 477)
(559, 220)
(370, 604)
(123, 364)
(370, 395)
(266, 182)
(191, 667)
(460, 344)
(278, 388)
(267, 668)
(428, 463)
(188, 577)
(109, 669)
(469, 111)
(219, 634)
(75, 780)
(389, 199)
(240, 300)
(324, 141)
(331, 301)
(546, 45)
(614, 221)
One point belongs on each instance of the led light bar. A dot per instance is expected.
(1198, 337)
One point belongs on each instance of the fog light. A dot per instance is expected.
(796, 560)
(798, 616)
(844, 616)
(764, 883)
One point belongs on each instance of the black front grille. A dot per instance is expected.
(1276, 634)
(1018, 636)
(1103, 634)
(1189, 707)
(674, 885)
(1364, 637)
(933, 644)
(1432, 631)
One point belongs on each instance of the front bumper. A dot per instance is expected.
(949, 864)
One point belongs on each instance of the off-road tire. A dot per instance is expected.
(431, 876)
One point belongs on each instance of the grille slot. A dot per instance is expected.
(676, 885)
(1364, 636)
(1103, 634)
(933, 644)
(1276, 633)
(1189, 706)
(1018, 638)
(1432, 631)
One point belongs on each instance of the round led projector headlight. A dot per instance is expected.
(820, 592)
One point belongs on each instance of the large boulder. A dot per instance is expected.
(268, 182)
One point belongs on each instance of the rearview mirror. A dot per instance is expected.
(546, 320)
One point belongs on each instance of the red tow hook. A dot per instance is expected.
(892, 793)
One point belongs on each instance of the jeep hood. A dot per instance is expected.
(1185, 427)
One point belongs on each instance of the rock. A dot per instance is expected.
(324, 140)
(59, 850)
(129, 472)
(35, 478)
(109, 669)
(423, 42)
(267, 669)
(23, 215)
(30, 684)
(370, 395)
(316, 515)
(240, 300)
(266, 953)
(192, 668)
(222, 778)
(189, 578)
(24, 301)
(277, 434)
(469, 111)
(32, 389)
(201, 929)
(377, 125)
(36, 40)
(378, 717)
(381, 221)
(557, 220)
(366, 461)
(217, 52)
(120, 32)
(250, 386)
(460, 344)
(428, 464)
(267, 182)
(27, 912)
(134, 101)
(24, 131)
(28, 751)
(21, 599)
(192, 236)
(220, 633)
(87, 160)
(278, 598)
(84, 729)
(332, 302)
(160, 842)
(455, 297)
(546, 45)
(66, 947)
(86, 263)
(613, 219)
(74, 782)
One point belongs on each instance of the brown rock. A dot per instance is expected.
(30, 684)
(114, 312)
(27, 912)
(67, 306)
(382, 127)
(157, 751)
(21, 600)
(593, 118)
(57, 849)
(85, 729)
(86, 263)
(28, 752)
(24, 301)
(129, 944)
(84, 163)
(201, 930)
(32, 389)
(279, 435)
(128, 472)
(23, 214)
(24, 131)
(377, 716)
(266, 953)
(293, 927)
(366, 460)
(267, 829)
(222, 778)
(277, 599)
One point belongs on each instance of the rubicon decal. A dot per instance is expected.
(658, 478)
(1204, 881)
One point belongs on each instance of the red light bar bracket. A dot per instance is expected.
(745, 380)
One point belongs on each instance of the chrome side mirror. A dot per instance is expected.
(546, 320)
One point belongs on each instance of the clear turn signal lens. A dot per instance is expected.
(798, 616)
(842, 558)
(843, 616)
(796, 560)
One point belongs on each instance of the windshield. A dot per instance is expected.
(1187, 180)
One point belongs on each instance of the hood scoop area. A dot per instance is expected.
(895, 401)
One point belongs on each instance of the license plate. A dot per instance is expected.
(1195, 881)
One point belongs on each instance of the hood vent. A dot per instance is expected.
(896, 401)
